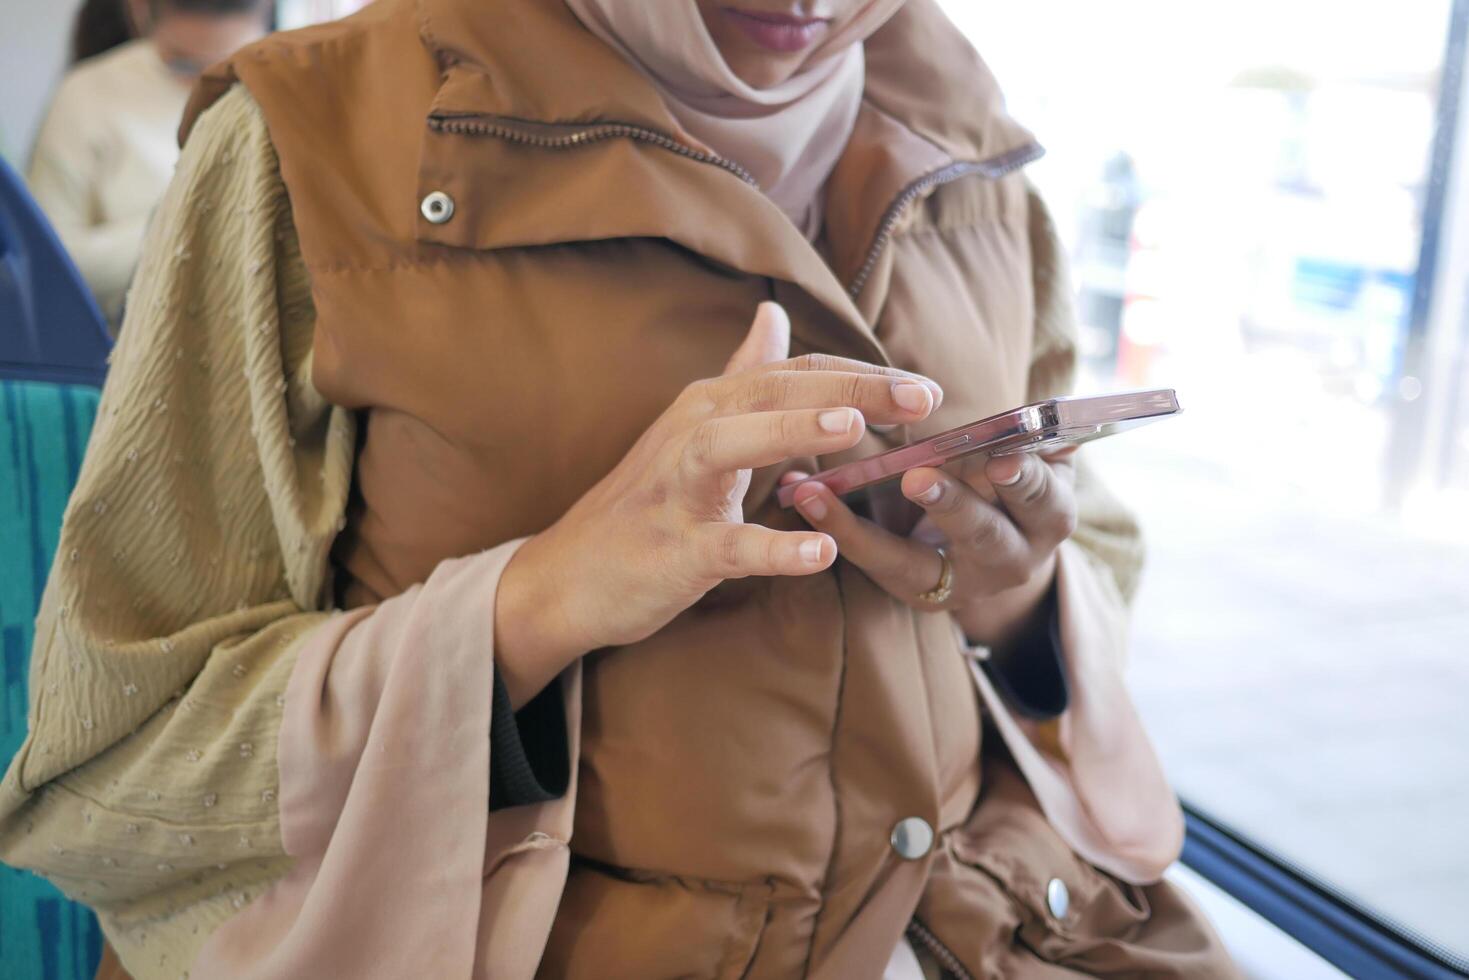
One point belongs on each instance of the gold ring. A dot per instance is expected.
(939, 594)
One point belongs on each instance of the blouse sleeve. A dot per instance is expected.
(1092, 767)
(1107, 535)
(192, 561)
(200, 722)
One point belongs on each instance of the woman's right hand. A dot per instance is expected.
(666, 525)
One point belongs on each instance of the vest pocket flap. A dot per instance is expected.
(614, 923)
(1009, 839)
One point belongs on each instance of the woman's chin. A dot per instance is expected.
(761, 69)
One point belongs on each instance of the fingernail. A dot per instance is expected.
(912, 397)
(811, 551)
(813, 507)
(1012, 480)
(836, 421)
(930, 495)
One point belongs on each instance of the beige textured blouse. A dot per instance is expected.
(193, 558)
(194, 562)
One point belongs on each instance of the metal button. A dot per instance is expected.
(1058, 898)
(912, 838)
(438, 207)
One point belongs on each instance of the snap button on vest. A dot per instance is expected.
(1058, 898)
(438, 207)
(912, 838)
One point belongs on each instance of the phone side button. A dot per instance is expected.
(952, 443)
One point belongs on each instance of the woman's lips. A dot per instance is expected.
(777, 32)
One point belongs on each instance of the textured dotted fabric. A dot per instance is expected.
(192, 561)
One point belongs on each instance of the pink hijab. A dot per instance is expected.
(788, 136)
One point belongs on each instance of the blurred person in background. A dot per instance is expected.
(109, 144)
(102, 25)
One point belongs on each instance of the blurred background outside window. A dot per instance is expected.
(1245, 189)
(299, 13)
(33, 49)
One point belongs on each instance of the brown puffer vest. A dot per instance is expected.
(517, 266)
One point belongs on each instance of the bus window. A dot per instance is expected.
(1263, 219)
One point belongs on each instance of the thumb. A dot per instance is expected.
(769, 340)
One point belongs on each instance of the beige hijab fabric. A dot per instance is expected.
(788, 136)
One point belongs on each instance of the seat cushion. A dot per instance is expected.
(43, 434)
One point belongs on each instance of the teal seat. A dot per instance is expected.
(43, 433)
(53, 357)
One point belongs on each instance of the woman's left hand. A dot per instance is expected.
(999, 521)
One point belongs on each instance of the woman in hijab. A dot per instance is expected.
(424, 607)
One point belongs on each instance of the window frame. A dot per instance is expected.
(1421, 437)
(1358, 941)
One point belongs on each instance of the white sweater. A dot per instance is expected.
(103, 158)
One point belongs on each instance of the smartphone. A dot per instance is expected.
(1042, 427)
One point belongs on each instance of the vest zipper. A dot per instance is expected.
(923, 936)
(581, 137)
(991, 169)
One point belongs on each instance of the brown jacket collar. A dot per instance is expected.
(930, 102)
(530, 107)
(921, 72)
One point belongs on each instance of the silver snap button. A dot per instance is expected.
(438, 207)
(1058, 898)
(912, 838)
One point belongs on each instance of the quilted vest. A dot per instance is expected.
(517, 262)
